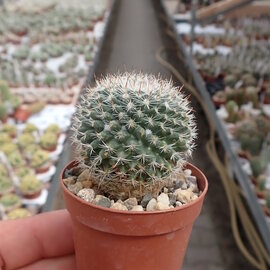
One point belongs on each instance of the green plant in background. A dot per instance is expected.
(9, 148)
(252, 96)
(5, 185)
(230, 80)
(267, 198)
(16, 160)
(233, 111)
(10, 199)
(53, 128)
(30, 128)
(3, 111)
(48, 141)
(5, 93)
(40, 158)
(11, 130)
(4, 138)
(18, 213)
(133, 129)
(30, 184)
(26, 139)
(3, 171)
(261, 183)
(23, 171)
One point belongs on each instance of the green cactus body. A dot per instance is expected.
(26, 139)
(268, 201)
(4, 138)
(5, 93)
(133, 128)
(9, 148)
(5, 185)
(10, 200)
(30, 184)
(3, 171)
(23, 171)
(261, 183)
(30, 128)
(3, 111)
(232, 109)
(16, 160)
(9, 129)
(257, 166)
(53, 128)
(18, 213)
(40, 158)
(48, 141)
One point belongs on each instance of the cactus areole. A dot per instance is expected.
(133, 128)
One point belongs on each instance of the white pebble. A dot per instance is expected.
(183, 196)
(137, 208)
(119, 206)
(87, 194)
(187, 172)
(162, 206)
(151, 206)
(164, 199)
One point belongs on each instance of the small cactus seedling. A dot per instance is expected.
(133, 130)
(233, 111)
(40, 158)
(18, 213)
(267, 198)
(26, 139)
(30, 184)
(53, 128)
(30, 128)
(258, 166)
(3, 111)
(11, 130)
(48, 141)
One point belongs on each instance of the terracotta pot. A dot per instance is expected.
(21, 114)
(33, 195)
(112, 239)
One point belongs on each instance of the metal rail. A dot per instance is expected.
(65, 156)
(240, 175)
(225, 11)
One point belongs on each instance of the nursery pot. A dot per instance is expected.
(106, 238)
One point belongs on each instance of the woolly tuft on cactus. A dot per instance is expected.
(133, 129)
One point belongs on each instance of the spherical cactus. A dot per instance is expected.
(133, 129)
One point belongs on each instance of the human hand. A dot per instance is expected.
(42, 242)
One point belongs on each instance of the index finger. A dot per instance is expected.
(28, 240)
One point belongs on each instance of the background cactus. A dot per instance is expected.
(133, 129)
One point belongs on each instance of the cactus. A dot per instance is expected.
(26, 139)
(5, 185)
(23, 171)
(251, 143)
(30, 184)
(10, 200)
(3, 111)
(262, 124)
(53, 128)
(133, 129)
(258, 166)
(48, 141)
(11, 130)
(3, 171)
(267, 198)
(18, 213)
(9, 148)
(232, 109)
(16, 160)
(261, 183)
(4, 138)
(5, 93)
(252, 96)
(30, 128)
(40, 158)
(230, 80)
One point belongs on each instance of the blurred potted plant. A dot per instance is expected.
(133, 133)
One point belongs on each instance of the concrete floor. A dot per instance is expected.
(134, 36)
